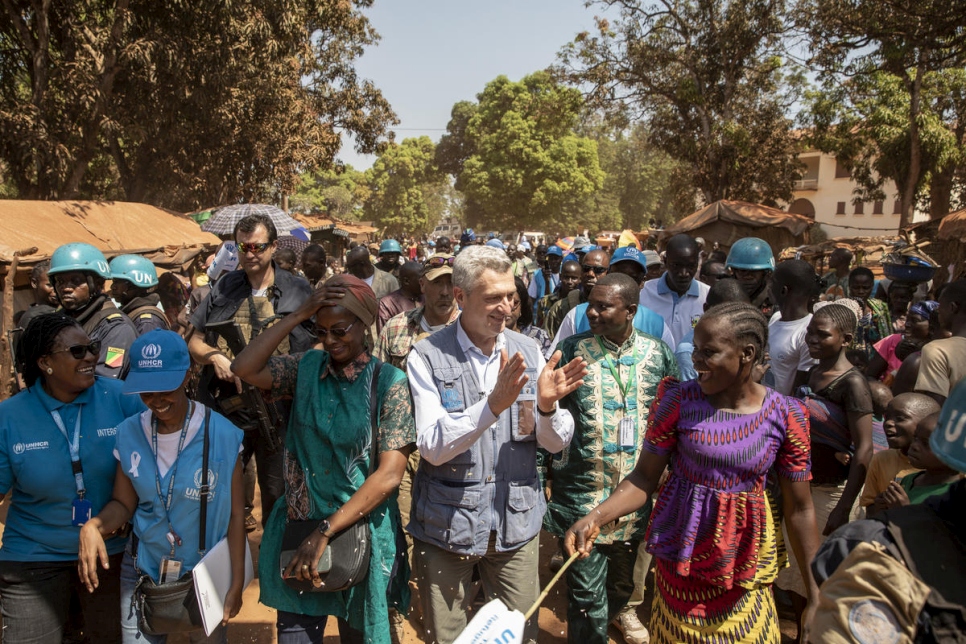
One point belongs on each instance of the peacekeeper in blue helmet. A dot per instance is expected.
(752, 263)
(389, 253)
(134, 282)
(78, 273)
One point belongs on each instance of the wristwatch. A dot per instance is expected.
(547, 413)
(324, 529)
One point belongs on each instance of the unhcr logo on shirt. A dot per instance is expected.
(20, 448)
(150, 357)
(194, 493)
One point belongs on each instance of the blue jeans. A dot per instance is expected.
(35, 599)
(130, 634)
(293, 628)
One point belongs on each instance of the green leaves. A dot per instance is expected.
(182, 104)
(516, 157)
(408, 191)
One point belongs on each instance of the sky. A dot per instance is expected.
(435, 53)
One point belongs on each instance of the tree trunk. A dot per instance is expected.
(908, 191)
(940, 192)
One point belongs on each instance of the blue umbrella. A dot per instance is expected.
(223, 221)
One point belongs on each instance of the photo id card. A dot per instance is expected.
(627, 431)
(170, 570)
(81, 510)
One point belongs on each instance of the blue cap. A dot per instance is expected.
(555, 250)
(628, 254)
(496, 243)
(948, 440)
(159, 362)
(586, 249)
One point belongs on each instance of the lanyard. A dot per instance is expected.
(615, 371)
(73, 447)
(166, 501)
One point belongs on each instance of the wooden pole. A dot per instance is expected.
(7, 373)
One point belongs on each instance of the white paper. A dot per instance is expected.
(494, 624)
(212, 578)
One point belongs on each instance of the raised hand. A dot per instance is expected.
(553, 384)
(509, 382)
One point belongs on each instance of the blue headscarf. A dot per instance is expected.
(924, 309)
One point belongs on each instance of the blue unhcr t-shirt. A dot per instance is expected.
(35, 465)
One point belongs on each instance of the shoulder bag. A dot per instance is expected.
(347, 555)
(173, 607)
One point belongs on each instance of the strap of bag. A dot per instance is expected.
(204, 486)
(374, 412)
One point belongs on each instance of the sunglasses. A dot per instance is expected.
(598, 270)
(439, 262)
(257, 248)
(78, 351)
(339, 333)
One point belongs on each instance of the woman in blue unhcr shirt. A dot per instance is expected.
(159, 474)
(56, 438)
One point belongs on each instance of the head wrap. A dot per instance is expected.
(924, 309)
(359, 298)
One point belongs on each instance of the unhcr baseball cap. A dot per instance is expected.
(948, 440)
(159, 362)
(628, 254)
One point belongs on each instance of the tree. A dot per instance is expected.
(708, 79)
(338, 192)
(407, 196)
(181, 104)
(865, 124)
(517, 159)
(639, 183)
(852, 40)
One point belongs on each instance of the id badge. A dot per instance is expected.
(627, 431)
(170, 570)
(81, 510)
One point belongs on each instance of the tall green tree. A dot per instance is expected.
(639, 183)
(337, 192)
(852, 40)
(708, 79)
(407, 194)
(181, 104)
(516, 156)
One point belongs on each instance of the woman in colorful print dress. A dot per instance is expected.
(713, 532)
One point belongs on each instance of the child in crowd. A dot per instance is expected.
(881, 397)
(902, 415)
(935, 478)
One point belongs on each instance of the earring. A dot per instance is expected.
(49, 371)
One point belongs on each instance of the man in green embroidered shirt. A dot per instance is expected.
(610, 411)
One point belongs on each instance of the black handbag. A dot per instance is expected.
(349, 550)
(173, 607)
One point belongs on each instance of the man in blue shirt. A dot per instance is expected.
(677, 296)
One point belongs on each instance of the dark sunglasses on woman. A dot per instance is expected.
(77, 351)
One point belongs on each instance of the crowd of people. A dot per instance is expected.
(724, 421)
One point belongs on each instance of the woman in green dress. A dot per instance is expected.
(327, 452)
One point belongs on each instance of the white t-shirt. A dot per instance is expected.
(788, 351)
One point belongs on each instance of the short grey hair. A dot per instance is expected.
(473, 260)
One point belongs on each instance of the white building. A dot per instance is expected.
(825, 193)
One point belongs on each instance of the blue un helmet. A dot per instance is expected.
(751, 254)
(135, 269)
(79, 257)
(390, 246)
(948, 440)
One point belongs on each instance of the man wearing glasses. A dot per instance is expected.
(253, 298)
(594, 265)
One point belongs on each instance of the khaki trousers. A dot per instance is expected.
(444, 580)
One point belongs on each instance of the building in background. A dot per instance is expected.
(825, 193)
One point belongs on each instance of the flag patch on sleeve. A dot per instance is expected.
(114, 358)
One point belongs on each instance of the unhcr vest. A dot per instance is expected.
(492, 486)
